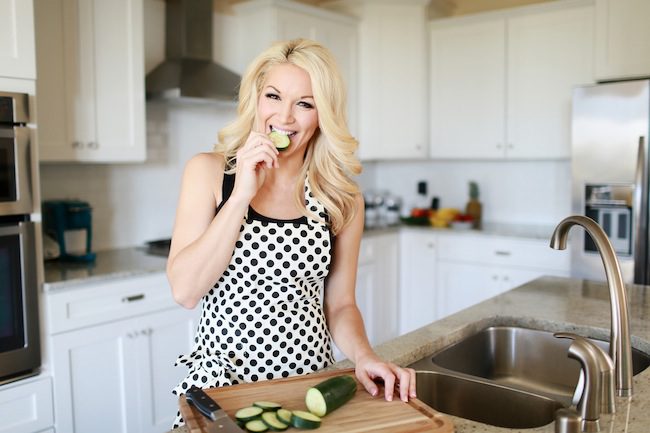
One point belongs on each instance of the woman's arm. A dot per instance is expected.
(344, 318)
(202, 242)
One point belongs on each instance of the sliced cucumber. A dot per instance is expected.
(330, 394)
(256, 425)
(248, 413)
(284, 415)
(280, 141)
(273, 422)
(267, 405)
(306, 420)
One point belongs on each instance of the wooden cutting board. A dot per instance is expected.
(363, 413)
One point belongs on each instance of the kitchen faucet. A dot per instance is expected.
(620, 347)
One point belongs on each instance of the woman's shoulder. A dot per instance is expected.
(206, 164)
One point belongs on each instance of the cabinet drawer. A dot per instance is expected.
(502, 251)
(26, 406)
(93, 304)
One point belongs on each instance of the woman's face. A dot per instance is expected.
(287, 105)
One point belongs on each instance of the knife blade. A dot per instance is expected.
(219, 422)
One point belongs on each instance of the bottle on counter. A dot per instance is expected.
(474, 207)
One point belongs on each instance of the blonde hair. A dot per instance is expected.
(330, 159)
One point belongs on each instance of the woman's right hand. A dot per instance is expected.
(253, 159)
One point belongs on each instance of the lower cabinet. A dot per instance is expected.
(418, 270)
(377, 286)
(117, 375)
(26, 406)
(472, 268)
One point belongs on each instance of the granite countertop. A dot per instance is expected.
(551, 304)
(109, 264)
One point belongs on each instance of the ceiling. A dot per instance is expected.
(437, 8)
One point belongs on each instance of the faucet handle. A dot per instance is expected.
(598, 368)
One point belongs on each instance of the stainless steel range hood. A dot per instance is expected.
(188, 70)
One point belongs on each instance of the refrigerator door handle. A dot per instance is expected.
(641, 214)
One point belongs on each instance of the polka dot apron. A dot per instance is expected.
(264, 318)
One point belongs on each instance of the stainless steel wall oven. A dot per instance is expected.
(19, 314)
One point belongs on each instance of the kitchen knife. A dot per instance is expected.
(220, 422)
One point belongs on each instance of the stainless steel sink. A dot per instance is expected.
(520, 358)
(483, 402)
(505, 376)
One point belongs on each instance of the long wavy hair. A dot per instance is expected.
(330, 160)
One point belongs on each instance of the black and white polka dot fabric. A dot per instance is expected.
(264, 317)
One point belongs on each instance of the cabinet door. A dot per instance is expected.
(163, 337)
(461, 285)
(549, 53)
(364, 293)
(26, 406)
(468, 89)
(94, 377)
(392, 85)
(418, 269)
(622, 39)
(91, 99)
(17, 57)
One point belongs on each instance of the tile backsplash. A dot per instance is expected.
(133, 203)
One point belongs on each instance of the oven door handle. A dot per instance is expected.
(21, 138)
(641, 214)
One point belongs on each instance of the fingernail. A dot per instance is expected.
(413, 395)
(389, 398)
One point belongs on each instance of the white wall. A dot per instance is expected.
(514, 192)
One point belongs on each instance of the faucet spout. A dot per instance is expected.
(620, 347)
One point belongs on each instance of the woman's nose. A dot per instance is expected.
(286, 113)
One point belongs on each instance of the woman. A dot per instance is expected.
(261, 234)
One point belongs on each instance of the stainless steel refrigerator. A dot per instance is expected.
(609, 164)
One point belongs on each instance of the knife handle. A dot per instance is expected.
(202, 402)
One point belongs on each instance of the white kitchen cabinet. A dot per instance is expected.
(26, 405)
(418, 269)
(393, 108)
(377, 286)
(501, 82)
(622, 39)
(17, 57)
(90, 87)
(474, 267)
(262, 22)
(119, 371)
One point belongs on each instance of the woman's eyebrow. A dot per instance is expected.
(278, 91)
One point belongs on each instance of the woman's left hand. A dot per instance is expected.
(372, 367)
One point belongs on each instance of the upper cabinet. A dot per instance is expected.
(90, 87)
(622, 39)
(393, 57)
(17, 58)
(501, 82)
(262, 22)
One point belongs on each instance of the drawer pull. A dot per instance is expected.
(502, 253)
(133, 298)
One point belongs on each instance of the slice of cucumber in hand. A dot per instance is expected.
(280, 141)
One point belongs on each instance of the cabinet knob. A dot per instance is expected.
(133, 298)
(93, 145)
(502, 253)
(499, 146)
(509, 146)
(77, 145)
(431, 245)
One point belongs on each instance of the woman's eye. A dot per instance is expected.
(304, 104)
(272, 96)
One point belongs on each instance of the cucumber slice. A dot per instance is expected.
(273, 422)
(284, 415)
(330, 394)
(267, 405)
(306, 420)
(256, 425)
(248, 413)
(280, 141)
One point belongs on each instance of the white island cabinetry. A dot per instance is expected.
(113, 348)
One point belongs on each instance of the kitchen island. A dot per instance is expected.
(548, 303)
